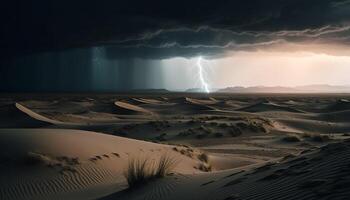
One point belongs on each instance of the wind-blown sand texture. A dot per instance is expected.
(226, 147)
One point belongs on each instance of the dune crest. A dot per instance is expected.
(267, 106)
(128, 108)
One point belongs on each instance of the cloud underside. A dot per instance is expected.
(163, 29)
(211, 42)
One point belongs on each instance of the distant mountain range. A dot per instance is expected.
(321, 88)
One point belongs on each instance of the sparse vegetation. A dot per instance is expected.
(141, 171)
(205, 167)
(203, 157)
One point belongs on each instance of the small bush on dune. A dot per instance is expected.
(203, 157)
(141, 171)
(205, 167)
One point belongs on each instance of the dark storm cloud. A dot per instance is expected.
(161, 29)
(209, 41)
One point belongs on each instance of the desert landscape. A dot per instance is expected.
(175, 146)
(175, 100)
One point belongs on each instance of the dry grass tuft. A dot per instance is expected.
(165, 165)
(141, 171)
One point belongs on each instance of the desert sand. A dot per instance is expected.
(225, 146)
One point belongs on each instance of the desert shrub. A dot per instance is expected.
(205, 167)
(176, 149)
(291, 138)
(141, 171)
(203, 157)
(187, 152)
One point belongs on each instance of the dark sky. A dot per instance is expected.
(51, 45)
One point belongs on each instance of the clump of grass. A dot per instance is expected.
(165, 165)
(137, 172)
(141, 171)
(291, 138)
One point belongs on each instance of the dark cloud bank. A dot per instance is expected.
(48, 44)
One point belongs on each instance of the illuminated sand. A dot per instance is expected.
(57, 163)
(78, 147)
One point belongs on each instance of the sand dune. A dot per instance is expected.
(52, 163)
(175, 106)
(35, 115)
(237, 135)
(16, 115)
(321, 174)
(267, 106)
(77, 112)
(209, 101)
(340, 116)
(341, 104)
(150, 101)
(128, 108)
(315, 126)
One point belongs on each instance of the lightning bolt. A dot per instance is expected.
(204, 84)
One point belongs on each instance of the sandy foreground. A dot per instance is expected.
(258, 147)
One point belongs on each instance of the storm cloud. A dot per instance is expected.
(121, 45)
(163, 29)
